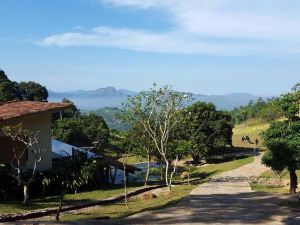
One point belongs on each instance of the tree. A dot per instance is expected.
(157, 111)
(3, 77)
(23, 91)
(282, 139)
(32, 91)
(24, 141)
(8, 91)
(205, 128)
(140, 143)
(82, 130)
(69, 130)
(95, 128)
(70, 112)
(266, 111)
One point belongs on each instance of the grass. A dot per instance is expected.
(270, 174)
(133, 159)
(136, 205)
(284, 175)
(118, 210)
(214, 169)
(250, 128)
(70, 199)
(268, 188)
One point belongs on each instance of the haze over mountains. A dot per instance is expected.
(111, 97)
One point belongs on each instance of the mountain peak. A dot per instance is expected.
(112, 97)
(107, 89)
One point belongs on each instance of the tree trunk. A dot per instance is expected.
(125, 185)
(113, 176)
(174, 170)
(26, 195)
(196, 158)
(293, 181)
(166, 175)
(61, 199)
(189, 176)
(148, 168)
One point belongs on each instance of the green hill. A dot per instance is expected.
(110, 115)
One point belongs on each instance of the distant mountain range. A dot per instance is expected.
(111, 97)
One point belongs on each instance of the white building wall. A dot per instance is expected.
(38, 122)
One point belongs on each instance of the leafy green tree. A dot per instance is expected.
(69, 131)
(282, 139)
(140, 143)
(205, 128)
(95, 128)
(3, 77)
(32, 91)
(266, 111)
(83, 130)
(23, 91)
(8, 92)
(70, 112)
(157, 112)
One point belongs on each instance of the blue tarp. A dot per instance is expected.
(61, 149)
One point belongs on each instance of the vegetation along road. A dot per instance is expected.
(226, 199)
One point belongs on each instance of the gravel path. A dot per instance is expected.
(226, 199)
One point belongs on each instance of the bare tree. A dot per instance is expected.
(157, 111)
(24, 141)
(125, 180)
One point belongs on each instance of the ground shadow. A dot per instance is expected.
(242, 208)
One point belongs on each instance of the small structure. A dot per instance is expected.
(62, 153)
(34, 116)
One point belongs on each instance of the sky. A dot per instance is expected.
(201, 46)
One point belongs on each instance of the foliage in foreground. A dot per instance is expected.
(282, 139)
(119, 208)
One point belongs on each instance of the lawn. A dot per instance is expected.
(268, 188)
(214, 169)
(250, 128)
(270, 174)
(118, 209)
(284, 175)
(70, 199)
(136, 205)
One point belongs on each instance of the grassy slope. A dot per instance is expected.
(253, 128)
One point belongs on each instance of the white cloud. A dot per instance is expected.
(255, 19)
(222, 27)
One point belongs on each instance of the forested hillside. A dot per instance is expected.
(261, 110)
(110, 115)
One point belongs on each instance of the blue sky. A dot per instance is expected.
(203, 46)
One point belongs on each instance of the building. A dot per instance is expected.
(34, 116)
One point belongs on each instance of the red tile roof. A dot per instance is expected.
(10, 110)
